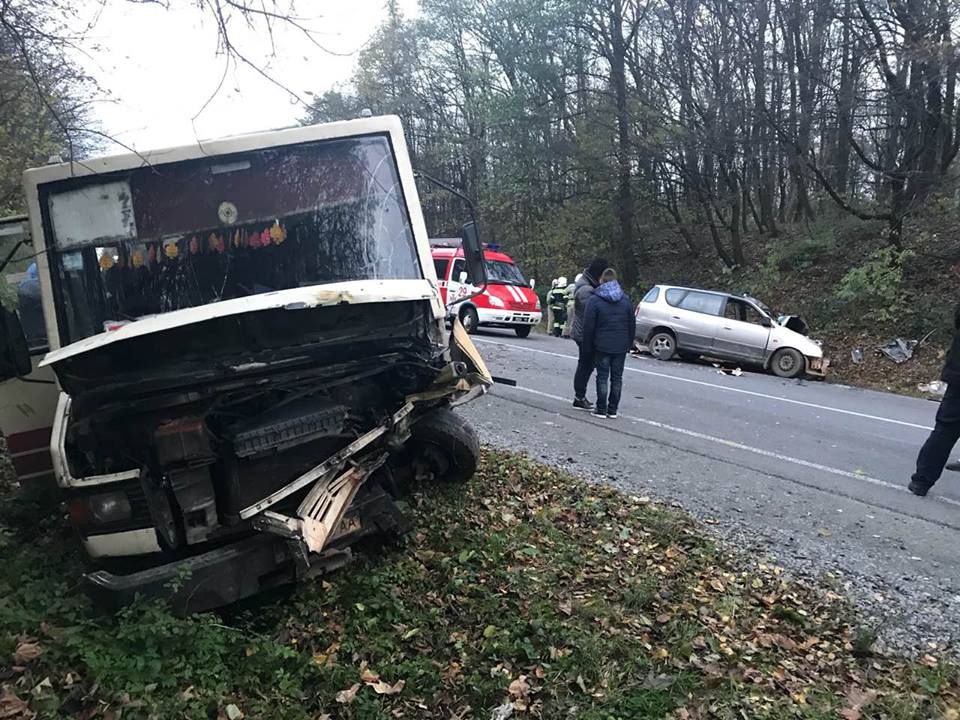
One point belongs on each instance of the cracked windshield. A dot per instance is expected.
(180, 236)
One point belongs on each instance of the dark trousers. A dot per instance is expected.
(946, 431)
(609, 367)
(584, 369)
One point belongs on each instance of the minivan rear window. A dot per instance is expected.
(652, 295)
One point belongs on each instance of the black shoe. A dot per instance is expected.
(918, 488)
(582, 404)
(599, 413)
(952, 466)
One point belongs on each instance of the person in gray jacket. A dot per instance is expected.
(587, 283)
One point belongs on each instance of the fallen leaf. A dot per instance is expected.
(345, 697)
(383, 688)
(581, 684)
(664, 618)
(717, 585)
(233, 712)
(519, 688)
(857, 700)
(12, 706)
(369, 676)
(26, 652)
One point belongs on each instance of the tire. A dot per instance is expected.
(788, 363)
(449, 445)
(470, 319)
(522, 331)
(663, 346)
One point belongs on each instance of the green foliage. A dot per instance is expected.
(798, 253)
(526, 586)
(876, 284)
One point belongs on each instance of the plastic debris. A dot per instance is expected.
(934, 387)
(899, 350)
(856, 355)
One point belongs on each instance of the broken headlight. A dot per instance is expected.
(100, 509)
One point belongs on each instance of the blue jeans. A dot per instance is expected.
(609, 368)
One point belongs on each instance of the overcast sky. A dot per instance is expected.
(160, 67)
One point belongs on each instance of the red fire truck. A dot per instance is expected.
(508, 301)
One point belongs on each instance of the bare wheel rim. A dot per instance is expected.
(466, 319)
(662, 343)
(787, 362)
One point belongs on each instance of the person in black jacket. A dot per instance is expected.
(946, 431)
(608, 332)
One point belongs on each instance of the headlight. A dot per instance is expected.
(538, 303)
(100, 509)
(496, 302)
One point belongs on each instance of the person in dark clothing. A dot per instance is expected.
(586, 284)
(608, 331)
(946, 431)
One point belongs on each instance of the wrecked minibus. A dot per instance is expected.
(246, 360)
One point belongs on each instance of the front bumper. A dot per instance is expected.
(817, 366)
(508, 317)
(224, 575)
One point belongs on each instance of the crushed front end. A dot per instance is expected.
(215, 459)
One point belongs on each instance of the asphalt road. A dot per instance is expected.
(809, 472)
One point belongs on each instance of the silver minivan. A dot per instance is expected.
(689, 322)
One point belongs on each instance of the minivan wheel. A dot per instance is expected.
(788, 363)
(522, 331)
(663, 346)
(448, 445)
(469, 319)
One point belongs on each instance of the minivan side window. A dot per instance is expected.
(674, 296)
(652, 295)
(441, 267)
(707, 303)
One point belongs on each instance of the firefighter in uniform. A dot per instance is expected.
(557, 306)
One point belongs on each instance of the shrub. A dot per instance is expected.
(876, 285)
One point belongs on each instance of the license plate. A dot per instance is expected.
(349, 524)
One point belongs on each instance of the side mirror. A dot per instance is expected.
(14, 353)
(463, 276)
(533, 283)
(473, 254)
(766, 322)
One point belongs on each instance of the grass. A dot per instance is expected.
(527, 588)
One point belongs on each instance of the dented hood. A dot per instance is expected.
(354, 292)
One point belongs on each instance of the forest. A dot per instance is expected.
(735, 136)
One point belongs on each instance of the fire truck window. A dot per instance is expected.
(441, 266)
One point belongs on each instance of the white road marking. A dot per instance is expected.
(724, 387)
(755, 450)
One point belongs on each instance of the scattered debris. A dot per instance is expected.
(934, 387)
(856, 356)
(736, 372)
(899, 350)
(502, 712)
